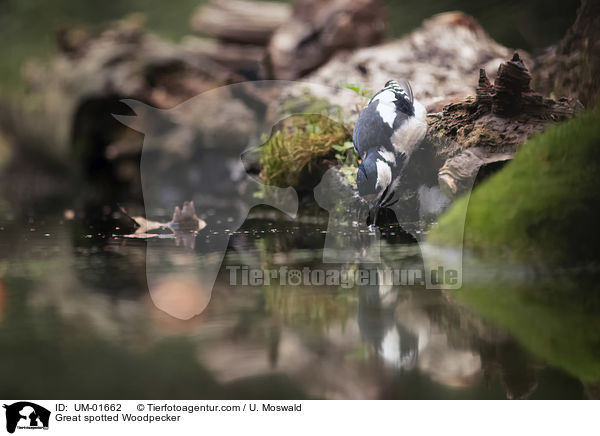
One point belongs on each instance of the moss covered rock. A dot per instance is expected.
(301, 148)
(543, 206)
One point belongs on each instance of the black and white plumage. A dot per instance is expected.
(387, 132)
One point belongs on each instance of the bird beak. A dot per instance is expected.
(382, 197)
(375, 213)
(379, 204)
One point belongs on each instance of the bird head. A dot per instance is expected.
(373, 177)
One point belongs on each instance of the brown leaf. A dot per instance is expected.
(184, 220)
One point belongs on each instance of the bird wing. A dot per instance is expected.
(355, 136)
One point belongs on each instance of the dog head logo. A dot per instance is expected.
(26, 415)
(195, 152)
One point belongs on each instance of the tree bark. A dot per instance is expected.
(572, 67)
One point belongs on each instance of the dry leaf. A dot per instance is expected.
(184, 220)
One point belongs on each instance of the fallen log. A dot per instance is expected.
(242, 21)
(246, 60)
(459, 172)
(320, 28)
(490, 127)
(440, 59)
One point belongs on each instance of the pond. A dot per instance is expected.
(77, 321)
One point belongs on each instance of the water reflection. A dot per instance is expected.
(80, 305)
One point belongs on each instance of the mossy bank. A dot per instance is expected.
(542, 208)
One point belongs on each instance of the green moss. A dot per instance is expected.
(296, 143)
(543, 205)
(556, 322)
(539, 208)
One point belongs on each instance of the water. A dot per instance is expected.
(76, 320)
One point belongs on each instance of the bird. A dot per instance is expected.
(387, 132)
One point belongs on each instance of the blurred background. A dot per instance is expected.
(29, 27)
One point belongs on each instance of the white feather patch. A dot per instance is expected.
(384, 174)
(388, 156)
(411, 133)
(386, 107)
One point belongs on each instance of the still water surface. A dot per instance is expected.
(77, 321)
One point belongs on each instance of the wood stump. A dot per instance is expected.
(490, 127)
